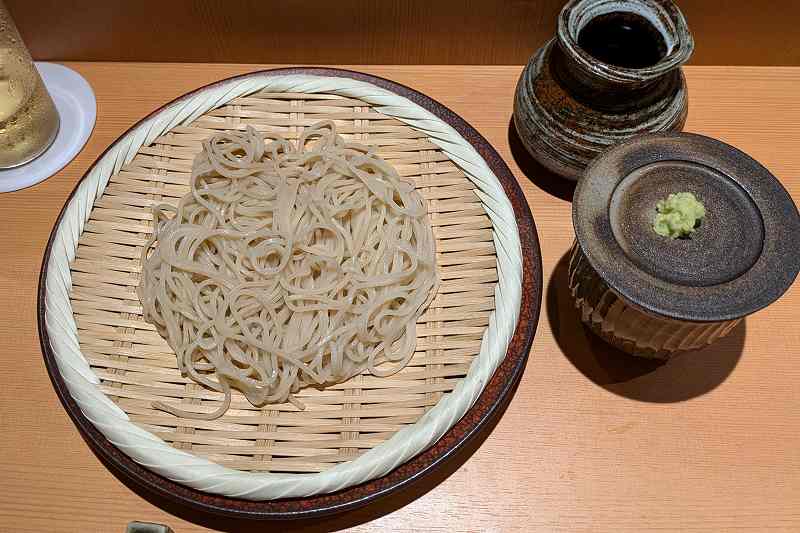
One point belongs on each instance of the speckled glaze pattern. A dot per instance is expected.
(654, 296)
(489, 405)
(629, 328)
(741, 258)
(569, 106)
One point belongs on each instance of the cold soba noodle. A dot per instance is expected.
(288, 266)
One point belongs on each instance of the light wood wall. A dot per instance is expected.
(727, 32)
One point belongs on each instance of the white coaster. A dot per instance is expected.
(77, 110)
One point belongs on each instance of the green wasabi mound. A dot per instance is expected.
(678, 215)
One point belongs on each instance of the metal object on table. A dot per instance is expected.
(147, 527)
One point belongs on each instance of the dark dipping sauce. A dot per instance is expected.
(623, 39)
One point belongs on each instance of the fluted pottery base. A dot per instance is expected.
(628, 328)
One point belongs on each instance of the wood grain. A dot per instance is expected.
(727, 32)
(590, 442)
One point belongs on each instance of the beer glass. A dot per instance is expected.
(28, 118)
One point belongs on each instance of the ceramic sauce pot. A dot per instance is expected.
(613, 71)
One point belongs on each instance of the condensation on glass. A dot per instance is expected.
(28, 119)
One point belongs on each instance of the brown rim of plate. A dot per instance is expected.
(488, 406)
(742, 257)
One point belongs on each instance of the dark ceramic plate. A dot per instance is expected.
(480, 416)
(741, 258)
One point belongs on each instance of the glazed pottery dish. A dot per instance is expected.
(655, 294)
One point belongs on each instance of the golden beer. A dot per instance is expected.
(28, 119)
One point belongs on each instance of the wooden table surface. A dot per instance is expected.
(591, 441)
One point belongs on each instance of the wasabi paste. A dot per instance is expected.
(678, 215)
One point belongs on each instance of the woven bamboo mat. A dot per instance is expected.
(136, 366)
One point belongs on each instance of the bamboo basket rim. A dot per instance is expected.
(194, 95)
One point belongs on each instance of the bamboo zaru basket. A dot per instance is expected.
(116, 365)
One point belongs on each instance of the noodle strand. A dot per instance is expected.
(288, 266)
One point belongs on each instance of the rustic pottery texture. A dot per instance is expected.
(654, 296)
(612, 72)
(628, 328)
